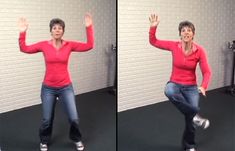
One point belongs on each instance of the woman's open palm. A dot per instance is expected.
(88, 19)
(154, 20)
(23, 24)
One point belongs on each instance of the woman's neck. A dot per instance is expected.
(57, 43)
(187, 46)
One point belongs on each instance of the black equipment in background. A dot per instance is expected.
(231, 89)
(114, 88)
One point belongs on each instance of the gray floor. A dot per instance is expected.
(19, 129)
(159, 127)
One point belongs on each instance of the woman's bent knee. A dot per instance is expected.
(170, 89)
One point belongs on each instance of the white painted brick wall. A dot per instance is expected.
(143, 70)
(21, 74)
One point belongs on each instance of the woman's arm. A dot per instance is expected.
(23, 26)
(80, 46)
(162, 44)
(205, 69)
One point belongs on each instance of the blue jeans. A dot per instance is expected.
(186, 99)
(49, 97)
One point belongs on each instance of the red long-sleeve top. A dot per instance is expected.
(56, 60)
(184, 66)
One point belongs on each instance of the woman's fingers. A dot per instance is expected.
(88, 19)
(23, 24)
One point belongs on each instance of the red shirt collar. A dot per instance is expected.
(63, 42)
(194, 46)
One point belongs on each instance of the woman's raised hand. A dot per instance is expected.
(154, 20)
(88, 19)
(23, 24)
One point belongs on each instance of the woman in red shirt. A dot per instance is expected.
(57, 82)
(182, 89)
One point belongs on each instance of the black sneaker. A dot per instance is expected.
(79, 146)
(201, 122)
(43, 147)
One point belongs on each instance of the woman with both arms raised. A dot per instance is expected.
(57, 82)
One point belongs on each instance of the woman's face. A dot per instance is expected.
(57, 31)
(186, 34)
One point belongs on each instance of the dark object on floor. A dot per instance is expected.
(114, 88)
(231, 89)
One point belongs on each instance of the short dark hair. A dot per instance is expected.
(186, 23)
(56, 21)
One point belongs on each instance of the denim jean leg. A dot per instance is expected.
(174, 93)
(68, 100)
(48, 98)
(192, 97)
(188, 140)
(186, 99)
